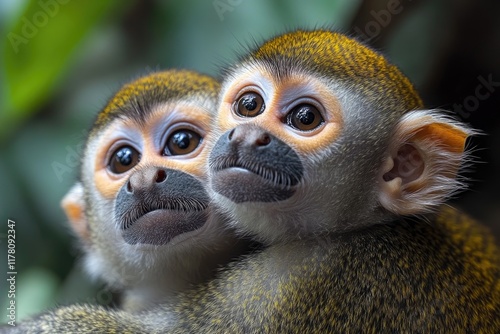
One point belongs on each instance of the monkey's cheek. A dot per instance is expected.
(240, 185)
(159, 227)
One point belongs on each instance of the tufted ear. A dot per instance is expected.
(73, 204)
(420, 168)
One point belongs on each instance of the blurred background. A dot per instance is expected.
(60, 60)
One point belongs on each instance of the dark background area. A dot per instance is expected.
(61, 59)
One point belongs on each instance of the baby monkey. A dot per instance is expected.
(141, 209)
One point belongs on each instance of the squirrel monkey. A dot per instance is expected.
(329, 158)
(141, 209)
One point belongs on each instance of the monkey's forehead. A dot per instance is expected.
(341, 58)
(138, 97)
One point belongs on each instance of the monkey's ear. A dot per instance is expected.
(73, 204)
(420, 168)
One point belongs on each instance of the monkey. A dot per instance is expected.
(342, 172)
(141, 210)
(328, 156)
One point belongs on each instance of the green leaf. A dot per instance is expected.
(38, 48)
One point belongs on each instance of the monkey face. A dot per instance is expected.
(146, 202)
(269, 163)
(159, 199)
(151, 175)
(272, 127)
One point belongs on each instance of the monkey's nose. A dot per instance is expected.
(249, 135)
(146, 178)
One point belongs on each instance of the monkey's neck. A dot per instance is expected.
(194, 261)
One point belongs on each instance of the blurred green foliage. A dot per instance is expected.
(55, 77)
(40, 45)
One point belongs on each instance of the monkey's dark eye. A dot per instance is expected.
(123, 159)
(250, 105)
(182, 142)
(304, 117)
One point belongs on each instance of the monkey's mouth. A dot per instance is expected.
(168, 206)
(158, 222)
(273, 176)
(242, 180)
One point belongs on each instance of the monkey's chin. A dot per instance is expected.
(241, 185)
(159, 227)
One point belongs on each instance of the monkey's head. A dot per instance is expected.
(322, 134)
(142, 200)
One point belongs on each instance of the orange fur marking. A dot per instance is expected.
(447, 135)
(272, 117)
(77, 220)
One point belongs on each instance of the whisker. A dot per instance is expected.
(276, 177)
(129, 217)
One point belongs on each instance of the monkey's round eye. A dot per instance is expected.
(182, 142)
(304, 117)
(250, 105)
(123, 159)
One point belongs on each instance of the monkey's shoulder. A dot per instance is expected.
(431, 273)
(83, 318)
